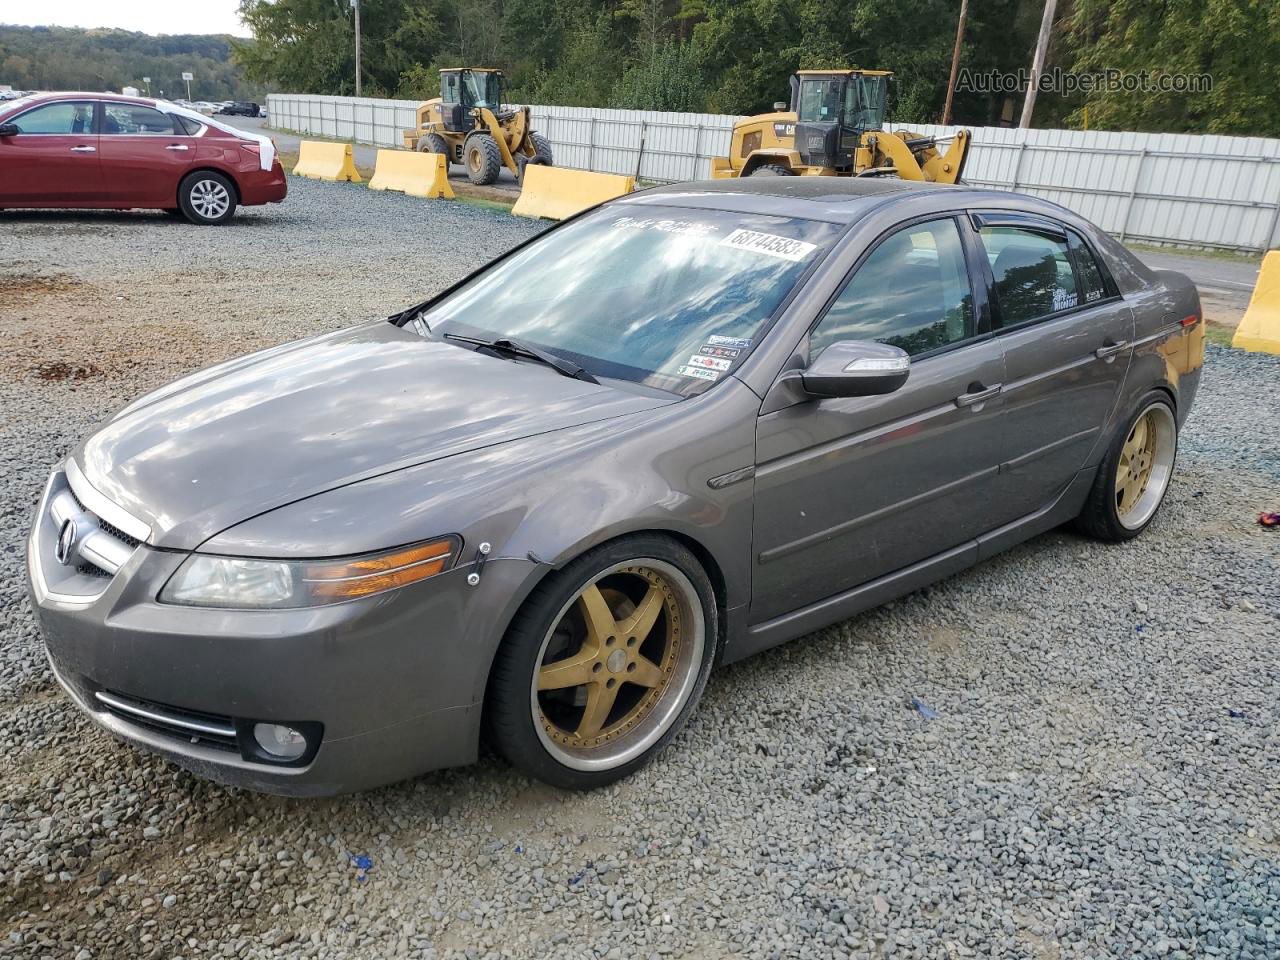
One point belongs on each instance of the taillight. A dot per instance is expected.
(1190, 321)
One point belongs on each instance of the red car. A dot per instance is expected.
(108, 152)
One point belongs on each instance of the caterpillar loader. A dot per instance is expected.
(468, 125)
(835, 128)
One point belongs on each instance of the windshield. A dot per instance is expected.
(669, 297)
(866, 102)
(482, 90)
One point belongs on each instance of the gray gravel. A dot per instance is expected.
(1100, 779)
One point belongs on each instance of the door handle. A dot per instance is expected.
(978, 397)
(1109, 351)
(84, 149)
(177, 146)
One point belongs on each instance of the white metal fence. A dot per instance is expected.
(1201, 191)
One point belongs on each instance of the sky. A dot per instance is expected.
(147, 16)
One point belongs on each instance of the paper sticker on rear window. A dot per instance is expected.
(740, 342)
(730, 353)
(688, 371)
(769, 244)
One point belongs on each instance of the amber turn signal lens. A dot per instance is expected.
(396, 568)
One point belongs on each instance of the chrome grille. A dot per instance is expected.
(74, 549)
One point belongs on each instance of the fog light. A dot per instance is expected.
(280, 741)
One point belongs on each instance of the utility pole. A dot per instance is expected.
(955, 63)
(1037, 63)
(355, 6)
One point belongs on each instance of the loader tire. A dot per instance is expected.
(542, 149)
(482, 159)
(434, 143)
(771, 170)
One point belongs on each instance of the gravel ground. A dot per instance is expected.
(1100, 779)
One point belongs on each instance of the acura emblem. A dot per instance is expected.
(65, 551)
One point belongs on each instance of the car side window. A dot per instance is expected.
(65, 118)
(449, 88)
(131, 120)
(187, 125)
(912, 292)
(1033, 273)
(1093, 286)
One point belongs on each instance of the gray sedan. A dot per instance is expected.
(681, 428)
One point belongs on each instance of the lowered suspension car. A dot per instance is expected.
(683, 427)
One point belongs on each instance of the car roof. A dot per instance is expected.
(833, 199)
(88, 95)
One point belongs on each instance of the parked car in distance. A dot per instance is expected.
(240, 108)
(689, 425)
(100, 151)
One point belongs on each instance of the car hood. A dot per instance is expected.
(250, 435)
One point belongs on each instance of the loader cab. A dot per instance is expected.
(833, 109)
(463, 90)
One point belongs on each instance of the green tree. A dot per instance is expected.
(670, 80)
(1236, 42)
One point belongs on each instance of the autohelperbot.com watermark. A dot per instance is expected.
(1064, 82)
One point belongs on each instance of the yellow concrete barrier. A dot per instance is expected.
(417, 174)
(326, 161)
(1260, 329)
(559, 192)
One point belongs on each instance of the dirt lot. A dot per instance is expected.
(1100, 778)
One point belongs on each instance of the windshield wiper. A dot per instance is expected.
(518, 348)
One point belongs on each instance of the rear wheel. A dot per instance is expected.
(771, 170)
(482, 158)
(207, 198)
(542, 149)
(1134, 476)
(434, 143)
(604, 663)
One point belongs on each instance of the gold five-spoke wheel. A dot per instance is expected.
(1145, 465)
(617, 664)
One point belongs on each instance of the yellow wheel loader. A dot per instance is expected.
(835, 128)
(468, 125)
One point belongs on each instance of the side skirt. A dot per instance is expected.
(797, 623)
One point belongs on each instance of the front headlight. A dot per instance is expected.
(204, 580)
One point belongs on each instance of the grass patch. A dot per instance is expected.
(1219, 335)
(1204, 253)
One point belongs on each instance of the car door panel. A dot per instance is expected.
(140, 165)
(1067, 342)
(849, 489)
(51, 169)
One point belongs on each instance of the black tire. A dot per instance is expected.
(434, 143)
(771, 170)
(542, 149)
(482, 158)
(511, 701)
(1105, 516)
(207, 198)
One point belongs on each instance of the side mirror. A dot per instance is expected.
(779, 106)
(9, 130)
(856, 368)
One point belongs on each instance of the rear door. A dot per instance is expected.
(53, 160)
(144, 154)
(1067, 339)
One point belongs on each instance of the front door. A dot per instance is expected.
(145, 153)
(849, 489)
(1067, 339)
(53, 159)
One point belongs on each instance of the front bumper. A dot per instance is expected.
(395, 681)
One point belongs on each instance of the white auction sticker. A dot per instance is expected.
(688, 371)
(769, 244)
(739, 343)
(710, 363)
